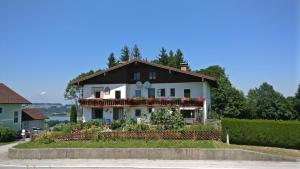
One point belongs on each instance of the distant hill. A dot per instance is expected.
(51, 109)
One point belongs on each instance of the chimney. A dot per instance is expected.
(184, 66)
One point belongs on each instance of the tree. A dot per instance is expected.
(111, 60)
(269, 104)
(294, 102)
(163, 57)
(73, 114)
(136, 54)
(125, 54)
(171, 59)
(178, 58)
(226, 100)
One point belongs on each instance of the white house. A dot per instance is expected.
(11, 113)
(136, 88)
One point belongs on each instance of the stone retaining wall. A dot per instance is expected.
(144, 153)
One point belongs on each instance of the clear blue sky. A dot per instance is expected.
(43, 44)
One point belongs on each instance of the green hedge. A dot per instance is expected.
(262, 132)
(7, 135)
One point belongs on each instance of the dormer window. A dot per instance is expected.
(136, 76)
(152, 75)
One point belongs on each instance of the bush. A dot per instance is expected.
(115, 124)
(44, 138)
(263, 132)
(164, 119)
(7, 134)
(136, 127)
(65, 128)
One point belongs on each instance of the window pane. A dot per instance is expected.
(16, 117)
(163, 92)
(136, 76)
(138, 93)
(172, 92)
(137, 112)
(0, 109)
(187, 93)
(151, 93)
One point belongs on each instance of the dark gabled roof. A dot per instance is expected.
(208, 78)
(32, 114)
(8, 96)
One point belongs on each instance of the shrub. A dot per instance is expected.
(7, 134)
(263, 132)
(65, 128)
(115, 124)
(44, 138)
(73, 114)
(136, 127)
(164, 119)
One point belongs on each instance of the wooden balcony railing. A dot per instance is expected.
(141, 102)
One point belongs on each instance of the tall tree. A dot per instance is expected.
(226, 100)
(268, 103)
(111, 60)
(178, 58)
(136, 54)
(163, 57)
(73, 114)
(171, 59)
(296, 103)
(125, 54)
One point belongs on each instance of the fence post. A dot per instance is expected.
(227, 138)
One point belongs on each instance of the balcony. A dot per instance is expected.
(142, 102)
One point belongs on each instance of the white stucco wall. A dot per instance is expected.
(88, 90)
(7, 116)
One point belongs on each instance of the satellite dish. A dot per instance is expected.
(147, 84)
(139, 84)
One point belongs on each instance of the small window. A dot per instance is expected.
(150, 110)
(172, 92)
(0, 110)
(138, 93)
(152, 75)
(97, 94)
(136, 76)
(161, 92)
(107, 90)
(16, 117)
(187, 93)
(138, 112)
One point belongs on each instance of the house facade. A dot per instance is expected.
(11, 112)
(136, 88)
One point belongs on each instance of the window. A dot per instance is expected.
(0, 110)
(98, 92)
(118, 94)
(97, 113)
(138, 93)
(138, 112)
(136, 76)
(172, 92)
(161, 92)
(151, 92)
(107, 90)
(152, 75)
(150, 110)
(187, 93)
(16, 117)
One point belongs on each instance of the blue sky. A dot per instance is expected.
(43, 44)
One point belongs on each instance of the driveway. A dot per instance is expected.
(6, 163)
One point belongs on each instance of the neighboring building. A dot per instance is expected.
(33, 118)
(136, 88)
(11, 108)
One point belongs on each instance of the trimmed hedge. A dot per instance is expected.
(7, 135)
(262, 132)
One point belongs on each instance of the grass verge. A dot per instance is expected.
(125, 144)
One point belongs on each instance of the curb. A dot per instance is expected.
(145, 153)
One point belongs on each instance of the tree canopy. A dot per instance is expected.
(111, 60)
(125, 54)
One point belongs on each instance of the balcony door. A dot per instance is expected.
(151, 92)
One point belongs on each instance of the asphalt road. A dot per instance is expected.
(6, 163)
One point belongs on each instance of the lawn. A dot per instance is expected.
(126, 144)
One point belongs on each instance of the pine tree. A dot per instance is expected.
(111, 60)
(171, 59)
(125, 54)
(163, 57)
(73, 114)
(178, 58)
(136, 54)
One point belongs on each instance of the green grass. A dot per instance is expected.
(125, 144)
